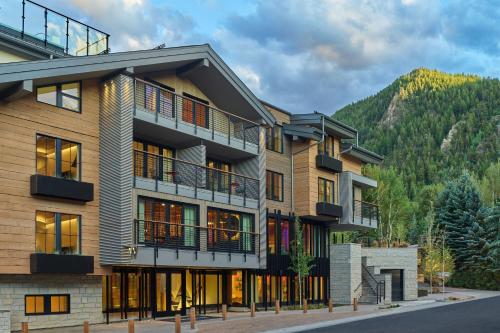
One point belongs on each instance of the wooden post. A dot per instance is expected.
(131, 327)
(305, 305)
(24, 327)
(85, 327)
(252, 310)
(330, 305)
(224, 311)
(355, 304)
(177, 323)
(277, 307)
(192, 317)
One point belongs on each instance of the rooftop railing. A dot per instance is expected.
(45, 27)
(166, 104)
(181, 236)
(179, 172)
(365, 212)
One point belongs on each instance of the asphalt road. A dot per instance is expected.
(468, 317)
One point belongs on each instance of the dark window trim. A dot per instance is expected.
(162, 146)
(167, 208)
(219, 210)
(325, 146)
(58, 231)
(58, 155)
(59, 95)
(270, 145)
(323, 183)
(47, 305)
(159, 84)
(197, 99)
(270, 196)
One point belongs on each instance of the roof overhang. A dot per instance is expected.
(303, 132)
(332, 127)
(362, 154)
(199, 63)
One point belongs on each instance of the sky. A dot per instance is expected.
(309, 55)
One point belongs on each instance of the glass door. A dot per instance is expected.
(161, 294)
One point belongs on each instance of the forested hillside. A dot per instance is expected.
(430, 125)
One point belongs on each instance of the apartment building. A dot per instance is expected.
(140, 184)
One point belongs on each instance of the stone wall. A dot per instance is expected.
(85, 299)
(4, 321)
(345, 272)
(396, 258)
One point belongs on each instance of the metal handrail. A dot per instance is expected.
(194, 237)
(380, 285)
(180, 172)
(365, 210)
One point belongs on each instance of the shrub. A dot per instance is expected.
(475, 280)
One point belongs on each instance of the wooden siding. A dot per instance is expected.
(20, 121)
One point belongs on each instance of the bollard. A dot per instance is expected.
(252, 310)
(131, 327)
(177, 323)
(277, 307)
(355, 304)
(85, 327)
(224, 311)
(192, 317)
(330, 305)
(305, 305)
(24, 327)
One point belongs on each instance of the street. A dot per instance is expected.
(467, 317)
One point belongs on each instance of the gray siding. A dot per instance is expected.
(115, 172)
(262, 198)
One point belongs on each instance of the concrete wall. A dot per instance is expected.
(85, 299)
(396, 258)
(345, 272)
(4, 321)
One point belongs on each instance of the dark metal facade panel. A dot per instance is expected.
(61, 188)
(328, 209)
(61, 264)
(328, 163)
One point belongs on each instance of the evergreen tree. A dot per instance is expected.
(456, 214)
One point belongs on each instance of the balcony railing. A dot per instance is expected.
(166, 104)
(365, 213)
(179, 172)
(192, 237)
(42, 26)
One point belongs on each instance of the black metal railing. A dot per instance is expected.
(42, 26)
(365, 212)
(377, 286)
(166, 104)
(179, 172)
(193, 237)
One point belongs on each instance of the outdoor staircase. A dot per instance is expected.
(373, 284)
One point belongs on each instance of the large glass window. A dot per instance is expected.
(65, 95)
(153, 161)
(46, 304)
(274, 186)
(274, 138)
(326, 147)
(285, 236)
(57, 233)
(195, 110)
(57, 157)
(218, 180)
(271, 235)
(325, 190)
(230, 230)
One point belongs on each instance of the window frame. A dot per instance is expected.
(58, 235)
(47, 304)
(270, 196)
(58, 161)
(60, 94)
(322, 182)
(270, 138)
(323, 146)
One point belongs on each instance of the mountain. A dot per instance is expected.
(430, 125)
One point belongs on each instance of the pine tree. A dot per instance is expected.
(456, 214)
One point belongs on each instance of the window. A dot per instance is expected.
(230, 230)
(314, 240)
(153, 161)
(271, 235)
(57, 233)
(285, 237)
(274, 138)
(325, 190)
(65, 95)
(195, 110)
(46, 304)
(219, 180)
(57, 157)
(274, 186)
(326, 147)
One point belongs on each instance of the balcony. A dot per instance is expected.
(61, 188)
(173, 176)
(61, 263)
(328, 209)
(365, 214)
(190, 237)
(189, 117)
(43, 27)
(329, 163)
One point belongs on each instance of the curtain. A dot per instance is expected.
(189, 225)
(246, 222)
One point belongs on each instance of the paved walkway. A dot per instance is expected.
(286, 321)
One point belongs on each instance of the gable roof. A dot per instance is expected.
(213, 76)
(363, 154)
(332, 126)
